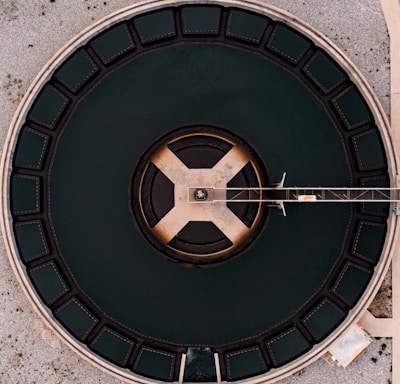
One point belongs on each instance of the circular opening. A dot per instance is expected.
(200, 194)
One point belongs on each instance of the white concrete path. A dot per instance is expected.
(391, 327)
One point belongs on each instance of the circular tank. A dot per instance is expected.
(153, 283)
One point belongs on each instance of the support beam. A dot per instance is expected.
(277, 195)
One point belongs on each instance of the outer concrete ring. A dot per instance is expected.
(392, 242)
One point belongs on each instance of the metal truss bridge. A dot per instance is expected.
(277, 195)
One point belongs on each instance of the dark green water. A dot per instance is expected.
(90, 185)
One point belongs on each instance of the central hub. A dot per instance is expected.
(190, 233)
(200, 194)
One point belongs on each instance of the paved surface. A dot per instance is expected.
(31, 32)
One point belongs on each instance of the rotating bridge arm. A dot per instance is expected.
(277, 195)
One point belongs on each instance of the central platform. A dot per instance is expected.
(197, 235)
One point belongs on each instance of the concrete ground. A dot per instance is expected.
(31, 32)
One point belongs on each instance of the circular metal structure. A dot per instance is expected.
(190, 233)
(160, 98)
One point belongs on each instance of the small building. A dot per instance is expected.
(349, 347)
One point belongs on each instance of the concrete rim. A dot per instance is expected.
(391, 243)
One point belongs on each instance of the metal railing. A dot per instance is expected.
(277, 195)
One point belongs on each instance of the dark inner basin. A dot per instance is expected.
(90, 185)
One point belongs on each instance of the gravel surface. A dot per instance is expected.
(374, 367)
(30, 33)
